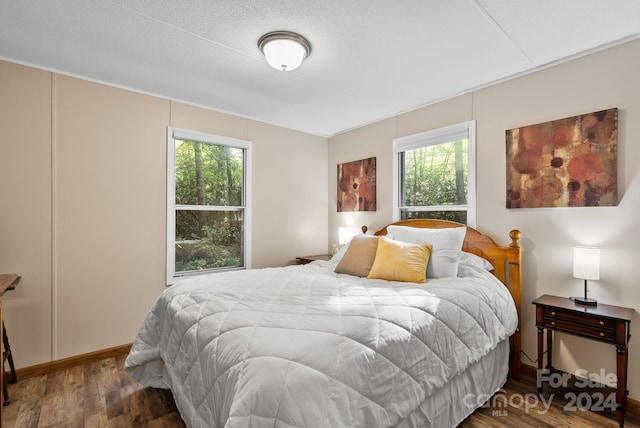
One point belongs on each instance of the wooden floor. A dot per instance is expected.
(524, 408)
(101, 394)
(98, 394)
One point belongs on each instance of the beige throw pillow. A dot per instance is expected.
(358, 258)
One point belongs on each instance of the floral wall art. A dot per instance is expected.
(568, 162)
(357, 185)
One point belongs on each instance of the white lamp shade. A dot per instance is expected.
(345, 234)
(284, 54)
(586, 263)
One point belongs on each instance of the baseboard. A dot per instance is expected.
(633, 406)
(529, 371)
(65, 363)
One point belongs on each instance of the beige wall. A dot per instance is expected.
(596, 82)
(289, 194)
(109, 178)
(25, 207)
(83, 171)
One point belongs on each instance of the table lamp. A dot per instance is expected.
(586, 265)
(345, 234)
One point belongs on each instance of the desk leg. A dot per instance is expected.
(540, 357)
(6, 355)
(549, 349)
(622, 363)
(7, 350)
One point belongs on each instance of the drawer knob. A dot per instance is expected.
(601, 334)
(553, 314)
(601, 323)
(553, 323)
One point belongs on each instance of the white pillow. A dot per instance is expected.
(475, 260)
(446, 246)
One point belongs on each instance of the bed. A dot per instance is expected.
(313, 346)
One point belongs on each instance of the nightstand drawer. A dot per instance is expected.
(579, 318)
(602, 334)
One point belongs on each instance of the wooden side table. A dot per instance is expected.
(303, 260)
(603, 323)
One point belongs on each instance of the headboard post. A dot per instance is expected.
(514, 258)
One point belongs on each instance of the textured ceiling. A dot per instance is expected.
(370, 59)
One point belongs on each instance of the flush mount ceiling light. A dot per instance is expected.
(284, 50)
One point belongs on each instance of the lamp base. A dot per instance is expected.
(585, 301)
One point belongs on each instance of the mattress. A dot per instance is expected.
(302, 346)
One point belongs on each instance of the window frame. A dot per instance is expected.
(431, 138)
(174, 134)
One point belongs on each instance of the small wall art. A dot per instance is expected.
(568, 162)
(357, 185)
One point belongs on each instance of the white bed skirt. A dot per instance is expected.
(452, 403)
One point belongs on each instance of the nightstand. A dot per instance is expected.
(303, 260)
(603, 323)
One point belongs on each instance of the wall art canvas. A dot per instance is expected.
(357, 185)
(568, 162)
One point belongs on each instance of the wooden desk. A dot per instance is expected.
(603, 323)
(8, 281)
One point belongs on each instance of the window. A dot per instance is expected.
(434, 174)
(208, 215)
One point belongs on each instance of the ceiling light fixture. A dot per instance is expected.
(284, 50)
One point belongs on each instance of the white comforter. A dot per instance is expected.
(301, 346)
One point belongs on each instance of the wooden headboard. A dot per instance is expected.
(506, 261)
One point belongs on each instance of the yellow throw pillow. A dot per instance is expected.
(359, 256)
(400, 261)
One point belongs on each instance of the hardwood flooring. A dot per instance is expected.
(101, 394)
(520, 406)
(98, 394)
